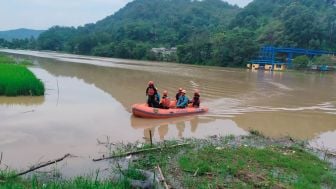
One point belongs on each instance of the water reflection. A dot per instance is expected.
(162, 125)
(141, 123)
(163, 131)
(194, 124)
(181, 127)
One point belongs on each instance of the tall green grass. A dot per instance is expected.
(76, 183)
(258, 168)
(18, 80)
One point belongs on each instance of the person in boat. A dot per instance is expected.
(183, 100)
(165, 101)
(152, 95)
(178, 94)
(196, 99)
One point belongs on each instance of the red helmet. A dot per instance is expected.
(165, 93)
(151, 83)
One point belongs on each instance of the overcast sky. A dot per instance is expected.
(42, 14)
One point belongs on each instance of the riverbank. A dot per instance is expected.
(215, 162)
(17, 80)
(240, 162)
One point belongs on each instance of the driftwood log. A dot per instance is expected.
(331, 154)
(139, 151)
(33, 168)
(163, 178)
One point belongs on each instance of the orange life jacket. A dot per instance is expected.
(165, 102)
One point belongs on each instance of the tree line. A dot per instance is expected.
(209, 32)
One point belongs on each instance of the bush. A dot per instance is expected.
(300, 62)
(324, 60)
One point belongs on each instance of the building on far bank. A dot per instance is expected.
(278, 59)
(164, 54)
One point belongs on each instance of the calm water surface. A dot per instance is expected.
(89, 99)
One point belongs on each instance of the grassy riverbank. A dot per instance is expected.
(17, 80)
(240, 162)
(218, 162)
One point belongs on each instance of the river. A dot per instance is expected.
(88, 100)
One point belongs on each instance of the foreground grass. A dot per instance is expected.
(252, 167)
(219, 162)
(18, 80)
(77, 183)
(231, 163)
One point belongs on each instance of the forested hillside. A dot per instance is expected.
(301, 23)
(142, 25)
(210, 32)
(19, 34)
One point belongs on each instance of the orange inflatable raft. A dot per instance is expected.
(143, 110)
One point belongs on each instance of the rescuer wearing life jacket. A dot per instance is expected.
(152, 94)
(183, 100)
(165, 101)
(178, 94)
(196, 101)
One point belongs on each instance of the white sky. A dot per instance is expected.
(42, 14)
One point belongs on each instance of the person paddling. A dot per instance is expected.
(183, 100)
(151, 93)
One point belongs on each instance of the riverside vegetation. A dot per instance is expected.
(242, 162)
(76, 183)
(17, 80)
(252, 161)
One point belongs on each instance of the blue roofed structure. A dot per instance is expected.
(268, 56)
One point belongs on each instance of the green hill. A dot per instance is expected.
(21, 33)
(302, 23)
(141, 25)
(167, 22)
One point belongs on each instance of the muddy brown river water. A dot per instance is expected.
(89, 99)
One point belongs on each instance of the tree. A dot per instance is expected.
(235, 48)
(197, 51)
(300, 62)
(302, 26)
(324, 60)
